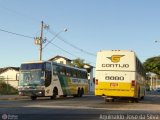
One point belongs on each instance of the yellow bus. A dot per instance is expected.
(119, 74)
(50, 79)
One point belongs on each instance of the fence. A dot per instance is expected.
(8, 84)
(153, 81)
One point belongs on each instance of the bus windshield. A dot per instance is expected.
(31, 78)
(32, 66)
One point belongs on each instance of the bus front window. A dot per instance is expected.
(31, 77)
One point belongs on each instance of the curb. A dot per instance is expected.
(17, 97)
(7, 97)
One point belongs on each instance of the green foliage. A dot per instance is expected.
(6, 88)
(78, 63)
(153, 65)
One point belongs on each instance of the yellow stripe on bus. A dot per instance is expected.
(114, 89)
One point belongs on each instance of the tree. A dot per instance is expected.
(81, 64)
(78, 63)
(153, 65)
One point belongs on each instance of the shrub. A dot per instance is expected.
(7, 88)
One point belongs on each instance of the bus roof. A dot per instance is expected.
(83, 69)
(31, 62)
(116, 51)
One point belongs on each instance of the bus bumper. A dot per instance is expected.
(31, 93)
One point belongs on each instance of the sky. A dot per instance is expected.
(92, 25)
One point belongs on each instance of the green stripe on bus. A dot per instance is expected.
(64, 83)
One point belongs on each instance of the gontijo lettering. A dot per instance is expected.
(116, 65)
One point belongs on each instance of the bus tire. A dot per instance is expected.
(132, 100)
(143, 96)
(55, 93)
(81, 92)
(33, 97)
(111, 100)
(136, 100)
(64, 95)
(107, 100)
(75, 95)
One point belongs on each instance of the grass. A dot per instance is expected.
(7, 89)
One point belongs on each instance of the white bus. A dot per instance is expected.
(46, 78)
(119, 74)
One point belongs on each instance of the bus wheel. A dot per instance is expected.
(55, 93)
(33, 97)
(81, 92)
(132, 100)
(136, 100)
(75, 95)
(107, 100)
(113, 100)
(143, 96)
(110, 100)
(64, 95)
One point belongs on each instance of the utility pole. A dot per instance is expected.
(41, 42)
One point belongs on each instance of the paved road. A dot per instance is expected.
(85, 108)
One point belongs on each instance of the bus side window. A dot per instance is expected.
(68, 72)
(48, 77)
(84, 75)
(78, 74)
(48, 74)
(62, 70)
(74, 73)
(81, 74)
(55, 69)
(48, 66)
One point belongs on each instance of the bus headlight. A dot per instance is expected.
(40, 92)
(20, 93)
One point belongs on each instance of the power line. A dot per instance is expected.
(54, 37)
(19, 13)
(62, 49)
(13, 33)
(55, 34)
(75, 47)
(66, 51)
(22, 35)
(16, 33)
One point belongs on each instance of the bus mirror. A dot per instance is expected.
(88, 74)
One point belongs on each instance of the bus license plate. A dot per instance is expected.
(113, 84)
